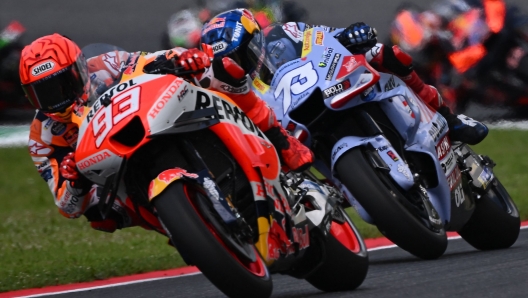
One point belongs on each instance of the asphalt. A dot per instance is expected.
(461, 272)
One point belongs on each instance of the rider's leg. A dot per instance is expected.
(394, 60)
(229, 78)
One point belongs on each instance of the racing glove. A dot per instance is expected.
(358, 38)
(193, 59)
(68, 170)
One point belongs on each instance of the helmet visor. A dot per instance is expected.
(59, 90)
(257, 58)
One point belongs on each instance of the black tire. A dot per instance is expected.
(200, 241)
(382, 200)
(346, 263)
(495, 223)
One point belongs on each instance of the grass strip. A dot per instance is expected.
(38, 247)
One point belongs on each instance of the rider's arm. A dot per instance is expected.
(47, 151)
(111, 62)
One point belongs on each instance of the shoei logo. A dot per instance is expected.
(42, 68)
(219, 46)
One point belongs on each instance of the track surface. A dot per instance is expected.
(138, 25)
(461, 272)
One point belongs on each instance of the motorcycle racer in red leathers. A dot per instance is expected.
(59, 81)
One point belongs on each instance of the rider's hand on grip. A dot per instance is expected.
(358, 37)
(68, 169)
(192, 59)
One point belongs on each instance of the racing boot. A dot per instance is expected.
(228, 77)
(393, 60)
(463, 128)
(292, 152)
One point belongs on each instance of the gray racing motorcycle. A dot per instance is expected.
(388, 152)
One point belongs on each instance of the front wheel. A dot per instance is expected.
(345, 262)
(383, 201)
(495, 223)
(232, 265)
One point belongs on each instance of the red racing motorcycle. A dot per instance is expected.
(196, 169)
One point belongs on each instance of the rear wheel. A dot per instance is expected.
(229, 262)
(376, 192)
(345, 263)
(495, 223)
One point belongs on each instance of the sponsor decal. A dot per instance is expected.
(71, 136)
(293, 31)
(219, 46)
(260, 86)
(42, 68)
(391, 84)
(443, 148)
(46, 175)
(162, 101)
(348, 65)
(403, 169)
(210, 188)
(392, 155)
(485, 177)
(183, 92)
(383, 148)
(327, 54)
(60, 104)
(459, 195)
(302, 238)
(341, 147)
(92, 160)
(111, 60)
(307, 43)
(43, 166)
(302, 96)
(237, 32)
(333, 66)
(214, 24)
(58, 128)
(173, 174)
(36, 148)
(336, 89)
(48, 123)
(108, 94)
(438, 126)
(319, 37)
(448, 163)
(231, 89)
(226, 111)
(368, 94)
(165, 178)
(454, 178)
